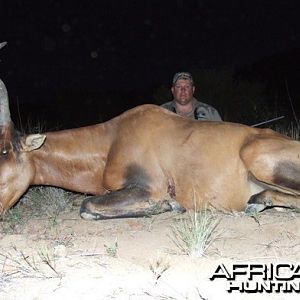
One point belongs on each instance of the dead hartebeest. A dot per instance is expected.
(149, 160)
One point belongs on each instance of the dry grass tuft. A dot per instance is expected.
(194, 235)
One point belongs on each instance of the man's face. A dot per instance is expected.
(183, 91)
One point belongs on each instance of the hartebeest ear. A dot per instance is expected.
(33, 141)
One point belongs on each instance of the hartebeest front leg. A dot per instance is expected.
(269, 198)
(128, 202)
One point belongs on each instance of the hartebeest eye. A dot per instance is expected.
(4, 152)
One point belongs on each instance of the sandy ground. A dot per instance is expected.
(69, 258)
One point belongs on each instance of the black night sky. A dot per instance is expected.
(84, 62)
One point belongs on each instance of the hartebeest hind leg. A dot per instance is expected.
(128, 202)
(269, 198)
(273, 162)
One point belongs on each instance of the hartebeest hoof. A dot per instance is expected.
(258, 203)
(254, 208)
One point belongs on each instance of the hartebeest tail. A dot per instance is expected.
(149, 160)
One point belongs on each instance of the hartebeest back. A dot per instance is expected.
(149, 160)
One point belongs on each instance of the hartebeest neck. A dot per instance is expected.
(74, 159)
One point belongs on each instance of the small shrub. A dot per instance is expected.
(12, 219)
(47, 201)
(39, 202)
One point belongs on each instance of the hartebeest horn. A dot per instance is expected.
(2, 44)
(4, 105)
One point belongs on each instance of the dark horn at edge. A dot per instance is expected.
(4, 106)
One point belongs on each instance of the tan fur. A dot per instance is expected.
(206, 162)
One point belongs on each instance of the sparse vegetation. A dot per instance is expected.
(158, 266)
(12, 219)
(40, 202)
(19, 264)
(194, 234)
(47, 201)
(112, 249)
(292, 130)
(48, 260)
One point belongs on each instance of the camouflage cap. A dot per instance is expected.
(182, 75)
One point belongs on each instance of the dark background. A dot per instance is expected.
(70, 63)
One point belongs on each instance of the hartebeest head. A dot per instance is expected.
(16, 167)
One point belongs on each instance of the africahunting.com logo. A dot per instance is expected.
(260, 278)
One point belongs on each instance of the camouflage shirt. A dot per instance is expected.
(201, 111)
